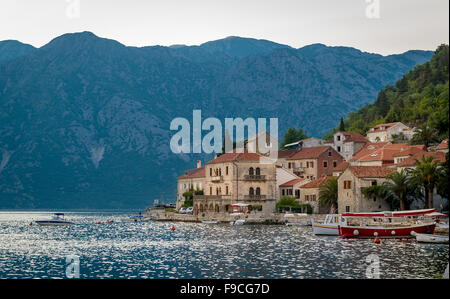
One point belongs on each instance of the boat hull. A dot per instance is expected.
(385, 232)
(325, 230)
(427, 238)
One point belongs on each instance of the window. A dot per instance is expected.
(374, 183)
(251, 171)
(339, 149)
(325, 164)
(347, 184)
(226, 189)
(306, 197)
(307, 164)
(313, 197)
(347, 209)
(210, 172)
(210, 190)
(289, 165)
(334, 163)
(338, 137)
(282, 192)
(297, 193)
(226, 171)
(329, 153)
(258, 171)
(312, 164)
(251, 191)
(220, 171)
(258, 191)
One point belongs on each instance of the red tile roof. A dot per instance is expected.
(411, 161)
(317, 183)
(370, 171)
(193, 173)
(383, 151)
(293, 182)
(443, 144)
(354, 137)
(235, 156)
(341, 166)
(286, 153)
(309, 152)
(379, 128)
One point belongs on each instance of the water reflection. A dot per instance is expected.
(152, 250)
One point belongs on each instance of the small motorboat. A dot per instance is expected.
(329, 227)
(56, 220)
(427, 238)
(237, 222)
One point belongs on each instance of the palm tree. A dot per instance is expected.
(328, 193)
(399, 190)
(427, 175)
(402, 187)
(424, 135)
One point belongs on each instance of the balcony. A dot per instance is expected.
(217, 178)
(255, 197)
(254, 177)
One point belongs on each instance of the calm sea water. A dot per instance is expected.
(152, 250)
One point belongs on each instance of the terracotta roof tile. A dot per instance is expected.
(193, 173)
(317, 183)
(235, 156)
(310, 152)
(286, 153)
(341, 166)
(293, 182)
(354, 137)
(383, 151)
(411, 161)
(370, 171)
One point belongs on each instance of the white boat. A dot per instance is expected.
(56, 220)
(427, 238)
(237, 222)
(329, 227)
(209, 222)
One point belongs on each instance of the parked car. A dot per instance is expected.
(189, 210)
(182, 211)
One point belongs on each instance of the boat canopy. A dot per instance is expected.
(240, 205)
(59, 214)
(437, 214)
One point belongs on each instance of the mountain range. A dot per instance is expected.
(84, 120)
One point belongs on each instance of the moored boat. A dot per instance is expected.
(329, 227)
(402, 224)
(427, 238)
(210, 221)
(56, 220)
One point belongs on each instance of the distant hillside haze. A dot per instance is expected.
(84, 121)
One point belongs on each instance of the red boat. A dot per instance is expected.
(400, 224)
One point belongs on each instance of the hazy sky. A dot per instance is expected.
(379, 26)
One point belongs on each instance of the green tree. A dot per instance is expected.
(342, 125)
(402, 188)
(442, 185)
(293, 135)
(328, 193)
(427, 175)
(425, 135)
(288, 203)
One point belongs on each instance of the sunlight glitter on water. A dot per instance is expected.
(151, 250)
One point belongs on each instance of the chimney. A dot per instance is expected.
(199, 163)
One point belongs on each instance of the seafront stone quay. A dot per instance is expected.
(251, 218)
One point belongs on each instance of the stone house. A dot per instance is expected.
(351, 183)
(347, 143)
(443, 146)
(292, 187)
(309, 194)
(192, 179)
(314, 162)
(236, 177)
(385, 132)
